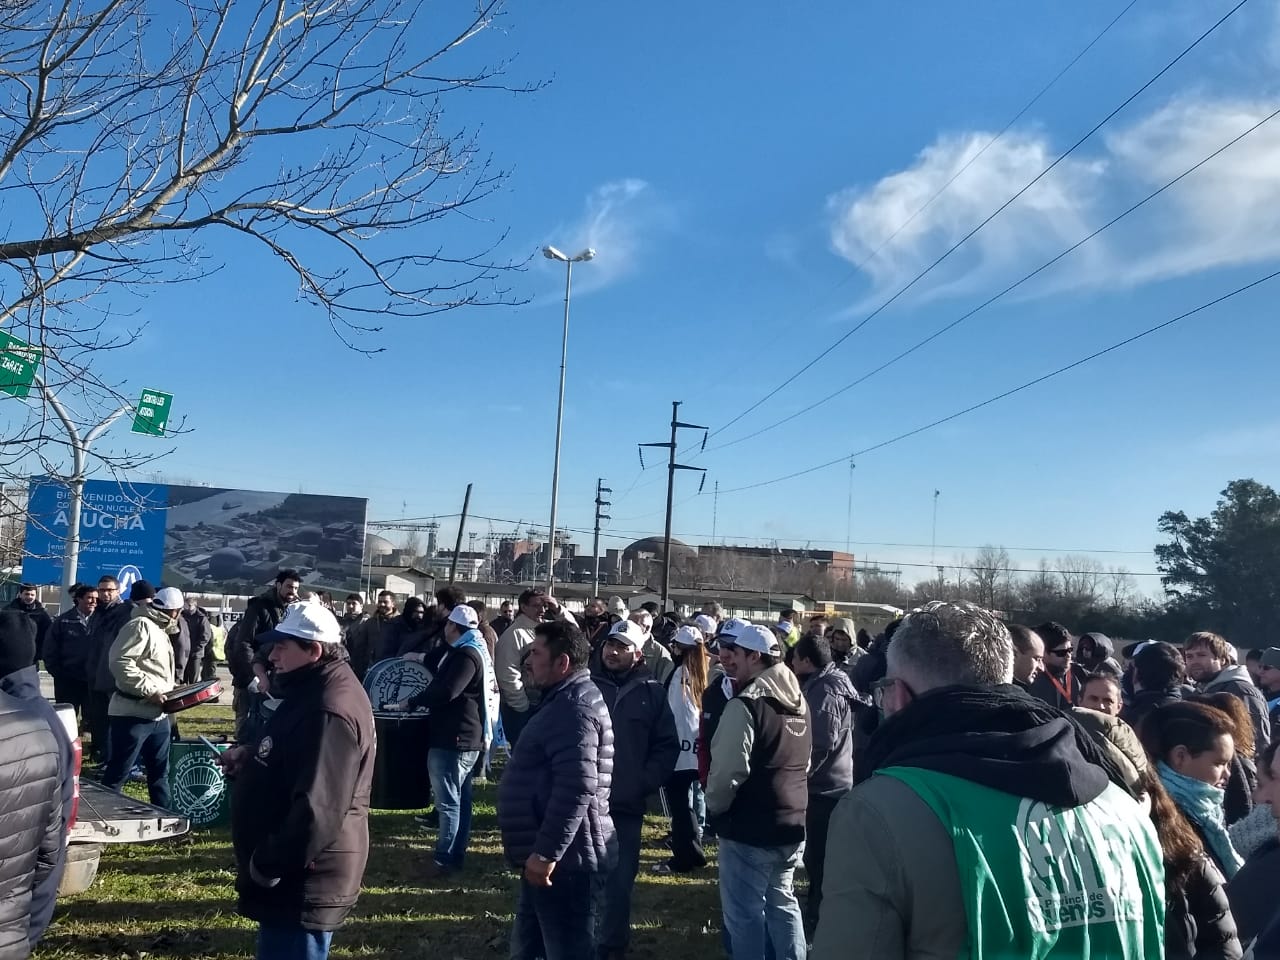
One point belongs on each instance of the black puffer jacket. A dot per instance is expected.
(645, 745)
(31, 831)
(300, 804)
(553, 798)
(1198, 921)
(66, 648)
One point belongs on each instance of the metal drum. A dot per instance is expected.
(400, 778)
(192, 695)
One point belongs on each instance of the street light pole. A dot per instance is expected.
(551, 253)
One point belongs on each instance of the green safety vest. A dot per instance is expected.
(1040, 881)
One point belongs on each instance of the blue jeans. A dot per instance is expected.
(451, 774)
(279, 942)
(556, 922)
(613, 892)
(758, 900)
(132, 740)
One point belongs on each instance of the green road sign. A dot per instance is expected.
(152, 413)
(19, 362)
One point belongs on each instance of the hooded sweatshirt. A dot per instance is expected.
(757, 790)
(1237, 682)
(1006, 786)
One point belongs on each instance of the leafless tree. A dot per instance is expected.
(313, 132)
(1081, 580)
(991, 576)
(1121, 589)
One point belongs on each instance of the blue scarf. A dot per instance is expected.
(1201, 803)
(488, 698)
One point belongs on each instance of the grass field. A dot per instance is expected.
(176, 898)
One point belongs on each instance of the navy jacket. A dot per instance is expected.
(645, 745)
(553, 798)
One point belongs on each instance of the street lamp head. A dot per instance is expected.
(551, 253)
(585, 255)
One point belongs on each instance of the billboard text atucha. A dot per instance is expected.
(121, 525)
(208, 539)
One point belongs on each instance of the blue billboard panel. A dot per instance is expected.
(122, 526)
(207, 539)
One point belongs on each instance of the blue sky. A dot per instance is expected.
(735, 170)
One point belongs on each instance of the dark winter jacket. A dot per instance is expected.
(715, 698)
(300, 804)
(454, 698)
(104, 626)
(1045, 687)
(553, 798)
(1105, 652)
(24, 685)
(1144, 701)
(1252, 891)
(31, 831)
(407, 634)
(67, 647)
(645, 745)
(1198, 921)
(40, 617)
(831, 699)
(364, 641)
(199, 629)
(1236, 681)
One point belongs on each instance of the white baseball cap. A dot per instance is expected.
(464, 616)
(688, 636)
(732, 627)
(629, 633)
(757, 638)
(168, 598)
(705, 624)
(308, 622)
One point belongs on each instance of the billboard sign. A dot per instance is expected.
(206, 539)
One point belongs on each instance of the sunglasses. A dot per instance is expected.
(1064, 652)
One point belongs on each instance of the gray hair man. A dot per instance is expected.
(975, 787)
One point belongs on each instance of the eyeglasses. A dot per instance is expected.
(881, 688)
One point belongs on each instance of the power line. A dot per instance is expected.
(965, 239)
(844, 458)
(1009, 289)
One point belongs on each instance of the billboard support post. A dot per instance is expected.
(79, 454)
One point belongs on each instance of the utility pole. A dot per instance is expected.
(79, 455)
(848, 517)
(462, 524)
(672, 467)
(715, 510)
(933, 540)
(601, 503)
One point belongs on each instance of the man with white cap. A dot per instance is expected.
(142, 666)
(645, 751)
(757, 797)
(720, 690)
(463, 700)
(300, 807)
(655, 654)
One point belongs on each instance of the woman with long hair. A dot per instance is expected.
(1243, 778)
(685, 687)
(1198, 921)
(1192, 745)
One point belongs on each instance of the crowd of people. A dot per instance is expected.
(955, 786)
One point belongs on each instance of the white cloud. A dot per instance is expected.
(618, 217)
(1227, 213)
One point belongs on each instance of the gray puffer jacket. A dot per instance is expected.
(553, 798)
(831, 698)
(31, 831)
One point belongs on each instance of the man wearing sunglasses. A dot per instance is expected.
(988, 825)
(1062, 682)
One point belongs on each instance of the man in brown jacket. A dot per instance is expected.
(300, 803)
